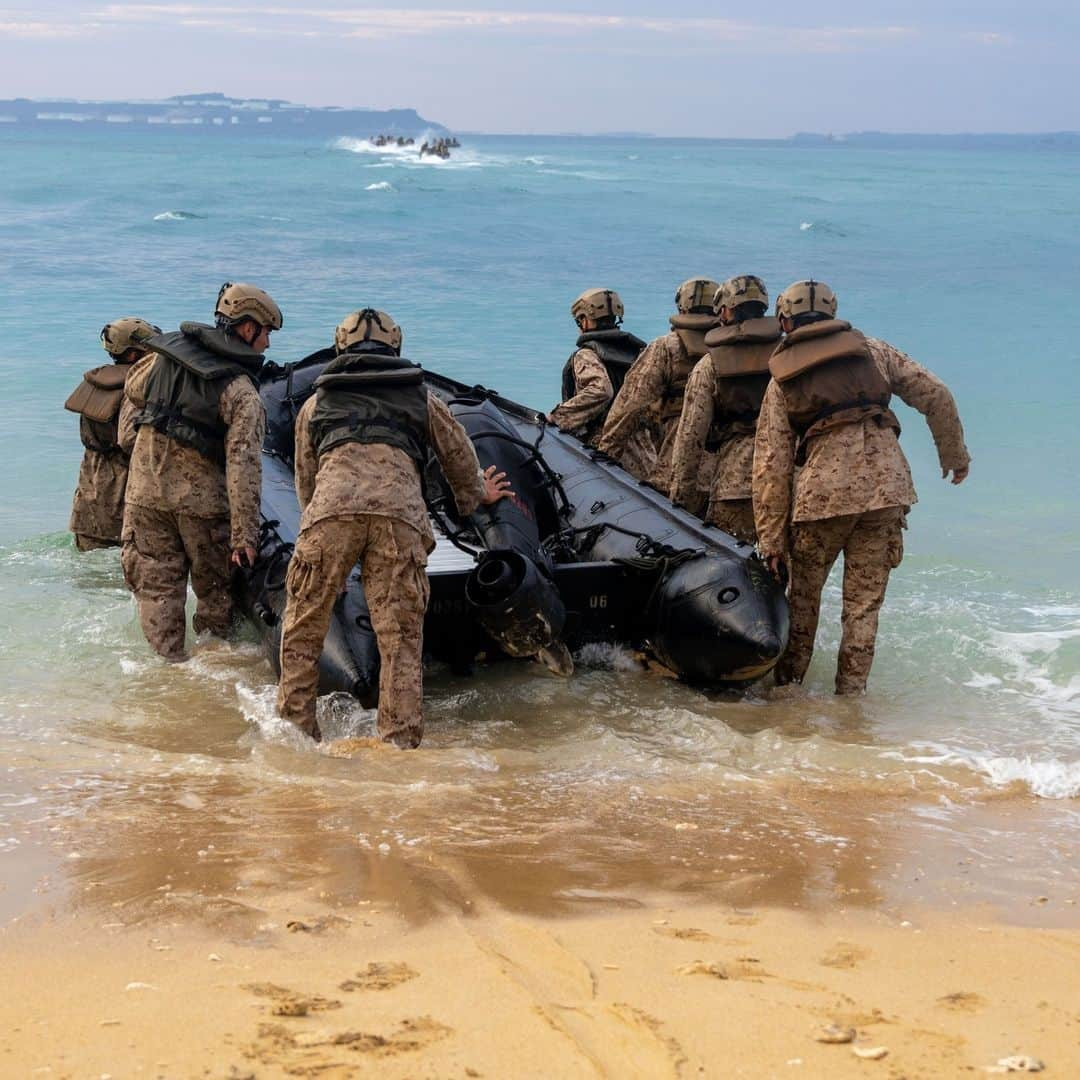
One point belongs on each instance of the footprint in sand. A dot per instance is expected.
(962, 1001)
(683, 933)
(844, 955)
(380, 977)
(313, 1053)
(289, 1003)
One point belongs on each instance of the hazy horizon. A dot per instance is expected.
(549, 68)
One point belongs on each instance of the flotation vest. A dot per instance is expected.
(368, 396)
(183, 388)
(97, 400)
(829, 378)
(739, 356)
(691, 331)
(617, 350)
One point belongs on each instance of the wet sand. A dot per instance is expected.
(651, 990)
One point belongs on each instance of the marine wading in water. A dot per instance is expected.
(97, 511)
(564, 546)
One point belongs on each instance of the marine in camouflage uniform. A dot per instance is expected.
(827, 410)
(658, 381)
(194, 423)
(97, 511)
(720, 410)
(595, 372)
(361, 443)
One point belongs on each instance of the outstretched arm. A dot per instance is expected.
(690, 436)
(917, 387)
(774, 464)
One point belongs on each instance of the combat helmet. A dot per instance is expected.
(695, 296)
(128, 333)
(367, 325)
(598, 304)
(237, 302)
(743, 289)
(806, 298)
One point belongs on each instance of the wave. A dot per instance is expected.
(178, 215)
(381, 185)
(825, 228)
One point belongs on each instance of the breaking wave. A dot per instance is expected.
(178, 215)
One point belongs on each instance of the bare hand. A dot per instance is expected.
(496, 486)
(958, 475)
(777, 567)
(244, 557)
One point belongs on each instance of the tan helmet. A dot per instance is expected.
(597, 304)
(695, 296)
(128, 333)
(368, 324)
(804, 297)
(743, 289)
(240, 301)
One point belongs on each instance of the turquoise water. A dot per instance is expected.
(969, 260)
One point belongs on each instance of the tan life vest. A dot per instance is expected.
(691, 330)
(828, 378)
(99, 396)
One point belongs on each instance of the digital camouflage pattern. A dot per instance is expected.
(97, 511)
(364, 501)
(850, 469)
(593, 395)
(393, 561)
(373, 478)
(656, 374)
(159, 549)
(851, 496)
(725, 505)
(166, 475)
(873, 546)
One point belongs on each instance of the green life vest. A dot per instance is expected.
(369, 396)
(183, 389)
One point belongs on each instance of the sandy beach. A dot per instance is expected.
(648, 990)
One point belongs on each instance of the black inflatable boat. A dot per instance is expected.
(582, 553)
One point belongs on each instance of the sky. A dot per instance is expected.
(544, 66)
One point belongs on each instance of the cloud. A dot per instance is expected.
(390, 22)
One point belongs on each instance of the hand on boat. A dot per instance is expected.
(496, 486)
(244, 557)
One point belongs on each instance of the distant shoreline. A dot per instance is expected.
(219, 114)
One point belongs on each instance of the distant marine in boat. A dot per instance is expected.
(582, 553)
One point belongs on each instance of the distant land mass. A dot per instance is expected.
(962, 140)
(214, 112)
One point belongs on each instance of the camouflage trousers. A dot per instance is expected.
(734, 516)
(92, 543)
(393, 561)
(873, 546)
(639, 455)
(158, 550)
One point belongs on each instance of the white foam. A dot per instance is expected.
(176, 215)
(806, 225)
(1047, 779)
(382, 185)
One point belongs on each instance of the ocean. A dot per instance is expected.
(956, 778)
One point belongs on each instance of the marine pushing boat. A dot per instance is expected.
(582, 553)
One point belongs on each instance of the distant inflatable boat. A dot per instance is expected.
(582, 553)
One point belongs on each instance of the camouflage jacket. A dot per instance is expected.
(372, 478)
(590, 402)
(97, 510)
(166, 475)
(651, 378)
(849, 469)
(731, 470)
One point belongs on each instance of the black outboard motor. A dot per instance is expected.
(513, 587)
